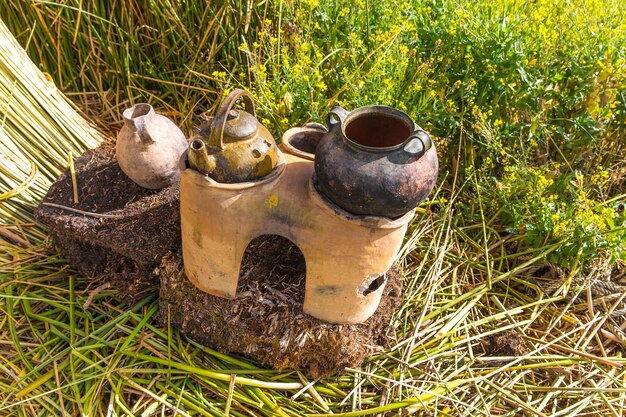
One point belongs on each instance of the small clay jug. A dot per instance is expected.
(375, 161)
(233, 147)
(149, 146)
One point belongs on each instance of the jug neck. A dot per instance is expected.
(137, 118)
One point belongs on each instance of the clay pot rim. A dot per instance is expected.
(379, 110)
(363, 220)
(273, 176)
(309, 128)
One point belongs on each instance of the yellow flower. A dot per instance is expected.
(287, 102)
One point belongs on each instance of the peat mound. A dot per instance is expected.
(117, 228)
(266, 321)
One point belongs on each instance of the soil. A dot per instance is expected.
(506, 344)
(266, 321)
(122, 229)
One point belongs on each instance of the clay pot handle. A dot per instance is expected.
(336, 116)
(217, 132)
(418, 143)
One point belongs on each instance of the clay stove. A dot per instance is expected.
(347, 256)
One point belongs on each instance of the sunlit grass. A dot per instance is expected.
(513, 270)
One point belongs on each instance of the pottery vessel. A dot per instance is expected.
(302, 141)
(233, 147)
(149, 146)
(375, 161)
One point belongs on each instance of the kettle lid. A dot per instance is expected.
(239, 125)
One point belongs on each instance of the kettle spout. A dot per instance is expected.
(199, 158)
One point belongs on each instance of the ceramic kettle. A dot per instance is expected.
(233, 147)
(375, 161)
(148, 147)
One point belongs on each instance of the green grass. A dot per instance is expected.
(513, 269)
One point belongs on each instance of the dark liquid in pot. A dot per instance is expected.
(377, 131)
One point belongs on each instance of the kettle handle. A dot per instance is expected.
(219, 122)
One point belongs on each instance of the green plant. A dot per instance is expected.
(526, 102)
(548, 207)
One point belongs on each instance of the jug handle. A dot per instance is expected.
(219, 122)
(418, 143)
(142, 131)
(336, 116)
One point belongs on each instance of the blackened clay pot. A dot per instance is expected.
(148, 147)
(375, 161)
